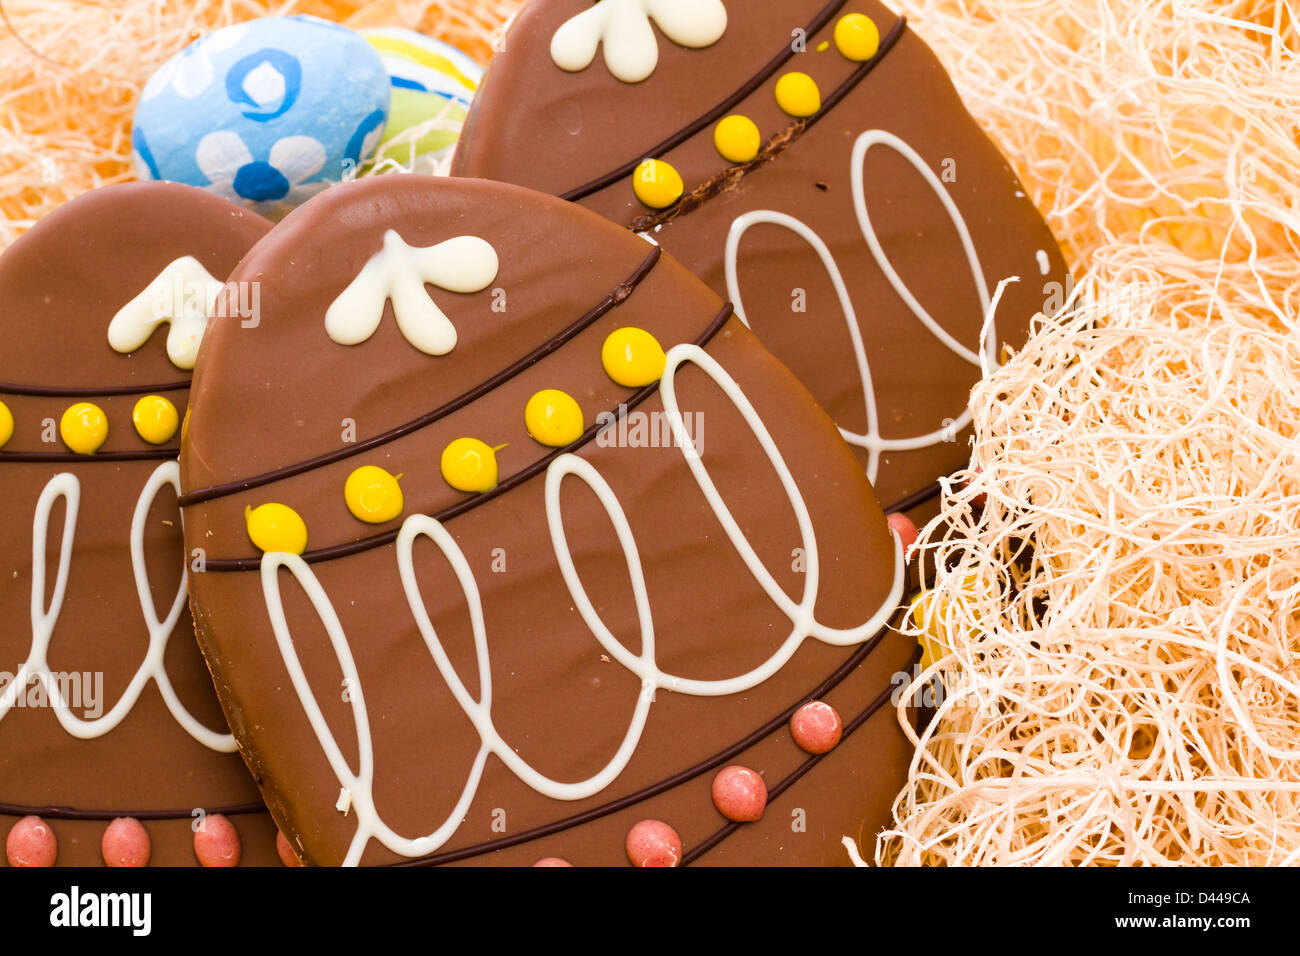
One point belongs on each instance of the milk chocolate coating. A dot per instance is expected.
(271, 397)
(60, 285)
(538, 126)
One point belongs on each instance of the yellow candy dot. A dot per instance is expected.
(84, 428)
(156, 419)
(930, 639)
(373, 495)
(553, 418)
(276, 527)
(633, 357)
(657, 184)
(823, 46)
(934, 639)
(797, 94)
(856, 37)
(737, 139)
(470, 465)
(6, 424)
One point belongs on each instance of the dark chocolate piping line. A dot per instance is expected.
(71, 813)
(773, 148)
(612, 300)
(677, 779)
(686, 132)
(41, 391)
(148, 454)
(917, 498)
(469, 504)
(695, 852)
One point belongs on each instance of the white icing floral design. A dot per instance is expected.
(631, 48)
(182, 296)
(399, 273)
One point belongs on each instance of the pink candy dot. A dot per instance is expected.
(285, 851)
(552, 861)
(216, 842)
(653, 843)
(739, 794)
(906, 531)
(126, 843)
(980, 499)
(816, 727)
(31, 843)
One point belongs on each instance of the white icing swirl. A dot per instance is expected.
(872, 440)
(631, 48)
(359, 784)
(44, 619)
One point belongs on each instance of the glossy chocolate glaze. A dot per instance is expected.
(269, 398)
(579, 134)
(60, 285)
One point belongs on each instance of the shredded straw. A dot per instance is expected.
(1118, 627)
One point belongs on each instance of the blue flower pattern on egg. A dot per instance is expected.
(265, 113)
(286, 175)
(268, 82)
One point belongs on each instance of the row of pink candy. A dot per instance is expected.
(739, 793)
(31, 842)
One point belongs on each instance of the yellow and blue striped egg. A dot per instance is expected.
(430, 80)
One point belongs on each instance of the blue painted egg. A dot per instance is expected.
(265, 113)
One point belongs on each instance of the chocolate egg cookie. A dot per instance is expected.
(515, 538)
(812, 162)
(106, 707)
